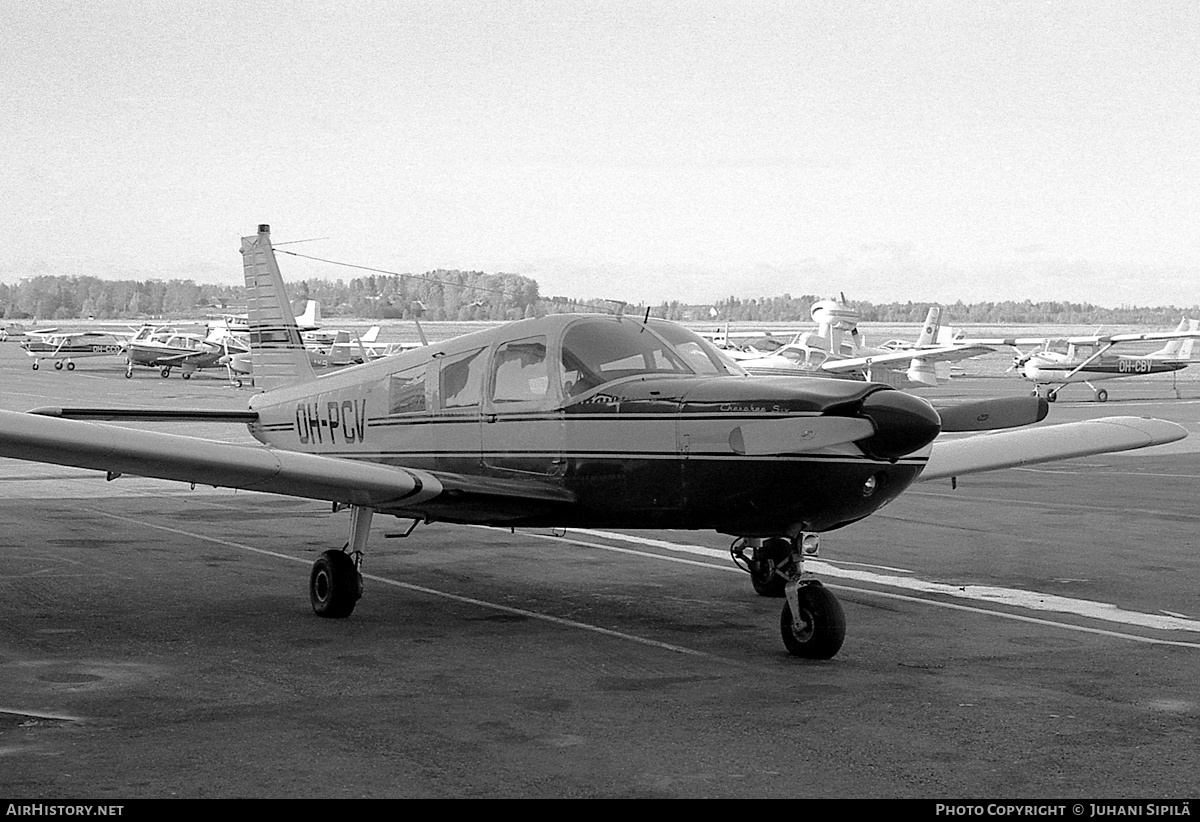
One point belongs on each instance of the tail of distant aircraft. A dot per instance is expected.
(311, 318)
(929, 332)
(277, 352)
(1180, 349)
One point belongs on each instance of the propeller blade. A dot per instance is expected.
(993, 414)
(795, 435)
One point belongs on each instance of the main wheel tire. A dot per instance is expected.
(70, 366)
(822, 627)
(335, 585)
(35, 365)
(186, 375)
(767, 556)
(1052, 396)
(1101, 396)
(166, 372)
(58, 365)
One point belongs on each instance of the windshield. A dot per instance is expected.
(701, 355)
(602, 349)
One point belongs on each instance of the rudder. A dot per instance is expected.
(277, 351)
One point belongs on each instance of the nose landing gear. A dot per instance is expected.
(812, 623)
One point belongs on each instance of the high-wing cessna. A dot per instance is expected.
(1054, 363)
(64, 347)
(836, 349)
(571, 421)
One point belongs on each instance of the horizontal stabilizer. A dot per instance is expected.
(1027, 446)
(797, 435)
(993, 414)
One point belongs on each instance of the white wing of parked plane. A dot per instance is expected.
(949, 353)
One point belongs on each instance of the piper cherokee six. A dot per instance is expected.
(572, 421)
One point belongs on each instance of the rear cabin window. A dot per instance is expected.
(461, 383)
(406, 391)
(520, 373)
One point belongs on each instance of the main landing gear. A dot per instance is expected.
(1098, 394)
(336, 585)
(812, 622)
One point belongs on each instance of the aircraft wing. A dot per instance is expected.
(902, 358)
(1027, 446)
(118, 450)
(1090, 339)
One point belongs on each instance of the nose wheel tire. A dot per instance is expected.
(821, 627)
(335, 585)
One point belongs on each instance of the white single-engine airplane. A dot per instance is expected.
(570, 421)
(1057, 362)
(836, 349)
(64, 347)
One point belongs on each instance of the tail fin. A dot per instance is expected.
(371, 335)
(929, 332)
(311, 318)
(277, 351)
(1179, 349)
(1185, 351)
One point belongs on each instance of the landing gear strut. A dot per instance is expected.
(336, 585)
(812, 622)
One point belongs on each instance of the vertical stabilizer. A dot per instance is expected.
(1181, 348)
(929, 332)
(311, 318)
(277, 352)
(1185, 351)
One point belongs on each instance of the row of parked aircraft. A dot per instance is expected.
(572, 421)
(836, 348)
(224, 343)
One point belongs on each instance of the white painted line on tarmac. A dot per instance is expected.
(1003, 596)
(1011, 597)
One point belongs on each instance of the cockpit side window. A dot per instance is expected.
(519, 372)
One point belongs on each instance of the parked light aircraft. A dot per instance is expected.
(836, 349)
(164, 348)
(12, 331)
(1057, 362)
(570, 421)
(64, 347)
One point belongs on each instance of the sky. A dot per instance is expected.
(645, 151)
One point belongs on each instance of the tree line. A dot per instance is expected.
(475, 295)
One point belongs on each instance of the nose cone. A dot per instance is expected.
(904, 423)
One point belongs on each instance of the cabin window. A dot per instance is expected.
(406, 391)
(462, 380)
(519, 373)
